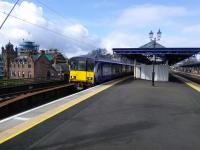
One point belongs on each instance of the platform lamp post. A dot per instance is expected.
(154, 39)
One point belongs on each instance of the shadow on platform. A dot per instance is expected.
(116, 133)
(174, 79)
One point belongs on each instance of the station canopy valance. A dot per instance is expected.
(143, 53)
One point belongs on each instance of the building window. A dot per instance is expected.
(29, 74)
(23, 74)
(19, 74)
(29, 65)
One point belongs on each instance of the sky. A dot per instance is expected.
(76, 27)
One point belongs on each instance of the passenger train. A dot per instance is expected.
(87, 71)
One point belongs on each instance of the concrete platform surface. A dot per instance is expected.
(129, 115)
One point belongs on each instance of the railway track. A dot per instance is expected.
(14, 103)
(8, 96)
(192, 77)
(11, 92)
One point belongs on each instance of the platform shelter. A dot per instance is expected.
(155, 54)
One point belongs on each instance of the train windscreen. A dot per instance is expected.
(79, 65)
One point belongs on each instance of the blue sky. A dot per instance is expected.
(92, 12)
(89, 24)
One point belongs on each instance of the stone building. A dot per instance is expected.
(31, 64)
(8, 55)
(59, 63)
(56, 56)
(33, 67)
(1, 67)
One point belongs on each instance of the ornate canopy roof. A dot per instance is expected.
(142, 54)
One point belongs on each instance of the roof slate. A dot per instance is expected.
(151, 45)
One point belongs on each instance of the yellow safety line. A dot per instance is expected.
(193, 85)
(12, 132)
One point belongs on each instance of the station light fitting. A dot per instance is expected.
(159, 34)
(151, 35)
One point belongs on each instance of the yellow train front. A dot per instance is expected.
(86, 71)
(82, 71)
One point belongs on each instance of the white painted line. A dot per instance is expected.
(25, 112)
(21, 118)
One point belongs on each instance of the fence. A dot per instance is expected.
(19, 82)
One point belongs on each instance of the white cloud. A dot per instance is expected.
(143, 15)
(71, 38)
(122, 39)
(132, 23)
(76, 30)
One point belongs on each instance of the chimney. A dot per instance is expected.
(42, 52)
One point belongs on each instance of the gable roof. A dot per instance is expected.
(151, 45)
(50, 57)
(35, 57)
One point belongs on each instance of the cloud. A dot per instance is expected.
(122, 39)
(70, 37)
(130, 28)
(133, 24)
(143, 15)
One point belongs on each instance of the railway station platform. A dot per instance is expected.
(120, 115)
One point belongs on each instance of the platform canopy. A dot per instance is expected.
(197, 64)
(143, 53)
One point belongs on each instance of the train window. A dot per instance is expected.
(78, 65)
(73, 65)
(90, 66)
(81, 65)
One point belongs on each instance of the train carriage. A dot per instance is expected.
(87, 71)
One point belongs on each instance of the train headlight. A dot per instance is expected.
(73, 77)
(89, 78)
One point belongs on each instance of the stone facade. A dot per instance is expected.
(1, 67)
(8, 55)
(59, 63)
(26, 62)
(32, 67)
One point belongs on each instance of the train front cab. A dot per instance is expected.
(82, 71)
